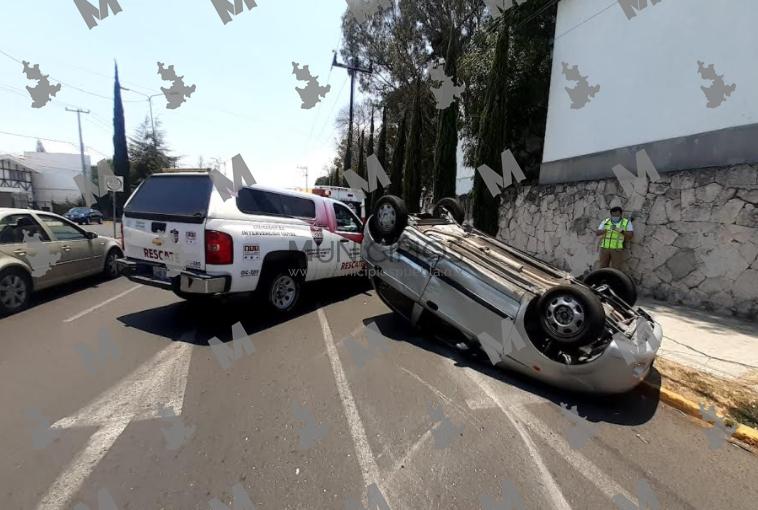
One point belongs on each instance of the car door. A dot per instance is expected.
(23, 238)
(79, 254)
(349, 230)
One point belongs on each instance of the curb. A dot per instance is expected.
(744, 433)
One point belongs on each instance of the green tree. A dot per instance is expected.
(120, 149)
(148, 152)
(398, 157)
(413, 157)
(446, 140)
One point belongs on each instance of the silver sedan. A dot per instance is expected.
(40, 249)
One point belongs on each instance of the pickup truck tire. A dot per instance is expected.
(15, 290)
(620, 283)
(389, 219)
(571, 315)
(449, 205)
(282, 290)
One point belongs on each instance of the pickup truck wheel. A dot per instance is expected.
(451, 206)
(571, 315)
(15, 290)
(283, 291)
(389, 219)
(620, 283)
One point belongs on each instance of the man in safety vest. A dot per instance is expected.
(613, 232)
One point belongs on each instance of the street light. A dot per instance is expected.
(150, 101)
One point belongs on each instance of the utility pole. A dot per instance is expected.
(150, 101)
(351, 70)
(79, 112)
(305, 168)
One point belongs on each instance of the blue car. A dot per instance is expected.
(84, 215)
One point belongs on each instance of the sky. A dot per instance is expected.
(245, 100)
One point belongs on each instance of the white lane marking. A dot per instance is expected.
(369, 469)
(93, 308)
(551, 486)
(159, 381)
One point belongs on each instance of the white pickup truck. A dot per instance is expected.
(180, 234)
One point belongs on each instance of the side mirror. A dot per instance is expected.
(91, 235)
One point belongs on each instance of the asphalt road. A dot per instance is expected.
(305, 421)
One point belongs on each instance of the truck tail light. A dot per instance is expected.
(219, 248)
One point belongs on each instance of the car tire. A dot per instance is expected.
(99, 221)
(15, 290)
(110, 269)
(282, 290)
(571, 315)
(620, 283)
(85, 221)
(452, 206)
(389, 219)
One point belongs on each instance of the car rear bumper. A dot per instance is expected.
(186, 282)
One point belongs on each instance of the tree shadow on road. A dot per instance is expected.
(629, 409)
(197, 322)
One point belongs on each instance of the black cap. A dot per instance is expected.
(614, 209)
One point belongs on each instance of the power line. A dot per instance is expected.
(50, 140)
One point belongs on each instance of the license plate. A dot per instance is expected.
(160, 273)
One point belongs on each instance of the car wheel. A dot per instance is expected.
(110, 270)
(620, 283)
(571, 315)
(283, 291)
(450, 206)
(99, 221)
(15, 290)
(86, 221)
(389, 219)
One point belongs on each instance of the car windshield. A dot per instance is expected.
(78, 210)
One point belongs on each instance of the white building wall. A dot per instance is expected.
(54, 180)
(647, 70)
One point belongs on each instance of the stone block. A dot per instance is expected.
(748, 216)
(673, 209)
(682, 180)
(657, 214)
(663, 273)
(688, 198)
(729, 212)
(749, 195)
(749, 251)
(664, 234)
(697, 212)
(681, 264)
(659, 188)
(708, 193)
(746, 287)
(694, 227)
(742, 176)
(694, 279)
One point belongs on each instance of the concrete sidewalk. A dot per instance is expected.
(722, 346)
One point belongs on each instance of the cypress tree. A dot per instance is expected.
(398, 158)
(120, 148)
(492, 135)
(361, 158)
(446, 143)
(413, 156)
(381, 155)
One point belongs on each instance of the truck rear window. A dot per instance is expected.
(183, 196)
(255, 201)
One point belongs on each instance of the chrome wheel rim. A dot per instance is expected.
(565, 316)
(386, 217)
(283, 292)
(112, 266)
(13, 291)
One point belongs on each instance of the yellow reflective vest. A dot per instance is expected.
(614, 239)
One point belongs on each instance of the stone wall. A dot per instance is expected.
(696, 233)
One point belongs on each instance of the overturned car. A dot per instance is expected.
(477, 293)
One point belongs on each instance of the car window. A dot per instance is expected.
(176, 195)
(62, 231)
(255, 201)
(346, 220)
(13, 226)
